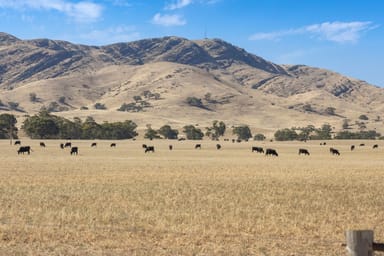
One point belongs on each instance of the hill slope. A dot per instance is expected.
(230, 84)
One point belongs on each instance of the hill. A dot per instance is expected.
(156, 80)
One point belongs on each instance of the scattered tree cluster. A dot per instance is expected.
(347, 135)
(8, 127)
(304, 133)
(47, 126)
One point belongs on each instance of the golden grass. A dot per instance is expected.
(120, 201)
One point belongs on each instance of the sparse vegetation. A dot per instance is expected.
(259, 137)
(56, 107)
(196, 102)
(33, 97)
(13, 105)
(330, 111)
(363, 117)
(100, 106)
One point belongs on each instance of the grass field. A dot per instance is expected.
(120, 201)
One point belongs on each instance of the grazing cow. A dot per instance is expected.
(303, 151)
(94, 144)
(68, 145)
(198, 146)
(74, 151)
(170, 147)
(270, 151)
(180, 139)
(323, 143)
(352, 147)
(218, 146)
(233, 140)
(149, 149)
(375, 146)
(61, 145)
(144, 146)
(24, 149)
(362, 145)
(113, 145)
(334, 151)
(226, 139)
(42, 144)
(258, 149)
(17, 142)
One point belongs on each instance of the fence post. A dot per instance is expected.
(359, 242)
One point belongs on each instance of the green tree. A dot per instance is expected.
(324, 133)
(90, 129)
(168, 133)
(243, 132)
(41, 126)
(259, 137)
(286, 134)
(8, 127)
(193, 133)
(151, 133)
(217, 129)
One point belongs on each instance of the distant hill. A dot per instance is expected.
(228, 83)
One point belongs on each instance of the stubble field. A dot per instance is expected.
(120, 201)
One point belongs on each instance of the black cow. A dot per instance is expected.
(113, 145)
(144, 146)
(17, 142)
(170, 147)
(323, 143)
(198, 146)
(334, 151)
(218, 146)
(352, 147)
(375, 146)
(74, 151)
(24, 149)
(258, 149)
(270, 151)
(61, 145)
(68, 145)
(149, 149)
(42, 144)
(94, 144)
(303, 151)
(362, 145)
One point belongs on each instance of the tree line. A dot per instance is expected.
(47, 126)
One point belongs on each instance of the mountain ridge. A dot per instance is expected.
(237, 86)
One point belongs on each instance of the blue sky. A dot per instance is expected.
(343, 36)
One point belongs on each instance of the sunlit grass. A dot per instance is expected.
(120, 201)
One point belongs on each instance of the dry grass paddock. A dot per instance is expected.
(120, 201)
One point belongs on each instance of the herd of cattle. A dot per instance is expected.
(268, 151)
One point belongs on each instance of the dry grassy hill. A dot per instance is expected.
(232, 84)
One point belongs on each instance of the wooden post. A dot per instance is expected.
(359, 242)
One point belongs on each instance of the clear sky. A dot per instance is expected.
(346, 36)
